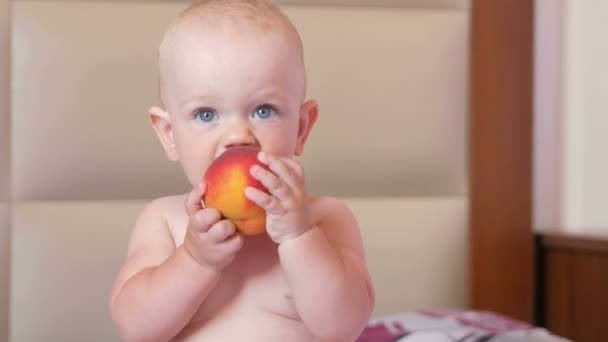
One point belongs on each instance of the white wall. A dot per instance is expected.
(586, 93)
(571, 113)
(548, 112)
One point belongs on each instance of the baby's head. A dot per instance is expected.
(231, 73)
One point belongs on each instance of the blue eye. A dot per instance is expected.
(265, 112)
(205, 115)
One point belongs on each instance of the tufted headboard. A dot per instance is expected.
(390, 141)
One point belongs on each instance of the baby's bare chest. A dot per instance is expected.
(252, 298)
(254, 281)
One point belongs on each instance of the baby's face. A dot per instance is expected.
(232, 86)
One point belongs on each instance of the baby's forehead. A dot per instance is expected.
(195, 28)
(224, 27)
(229, 42)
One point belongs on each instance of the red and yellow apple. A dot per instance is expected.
(226, 179)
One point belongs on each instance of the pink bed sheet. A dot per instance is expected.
(453, 325)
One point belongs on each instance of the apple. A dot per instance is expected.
(226, 179)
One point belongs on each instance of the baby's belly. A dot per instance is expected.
(251, 302)
(250, 312)
(250, 326)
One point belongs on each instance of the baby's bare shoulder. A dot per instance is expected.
(160, 210)
(153, 225)
(175, 206)
(151, 240)
(338, 222)
(326, 209)
(168, 205)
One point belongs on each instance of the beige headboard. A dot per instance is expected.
(66, 254)
(4, 167)
(391, 141)
(391, 84)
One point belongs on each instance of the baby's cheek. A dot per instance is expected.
(279, 140)
(194, 168)
(282, 146)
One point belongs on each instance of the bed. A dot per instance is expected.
(453, 325)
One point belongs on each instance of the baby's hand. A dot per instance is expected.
(287, 210)
(210, 241)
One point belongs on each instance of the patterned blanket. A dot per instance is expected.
(452, 326)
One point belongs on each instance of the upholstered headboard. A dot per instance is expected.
(66, 254)
(391, 82)
(4, 166)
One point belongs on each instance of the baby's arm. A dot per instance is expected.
(160, 287)
(326, 272)
(320, 250)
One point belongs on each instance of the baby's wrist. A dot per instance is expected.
(198, 262)
(293, 236)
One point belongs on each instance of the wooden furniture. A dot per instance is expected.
(554, 280)
(575, 272)
(501, 240)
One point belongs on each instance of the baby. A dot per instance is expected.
(232, 74)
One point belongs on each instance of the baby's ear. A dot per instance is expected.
(309, 112)
(161, 122)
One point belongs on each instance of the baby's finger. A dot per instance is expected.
(234, 242)
(275, 185)
(269, 203)
(280, 167)
(221, 230)
(286, 168)
(202, 220)
(194, 198)
(295, 167)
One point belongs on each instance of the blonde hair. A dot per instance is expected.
(261, 14)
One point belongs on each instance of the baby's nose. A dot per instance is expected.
(238, 134)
